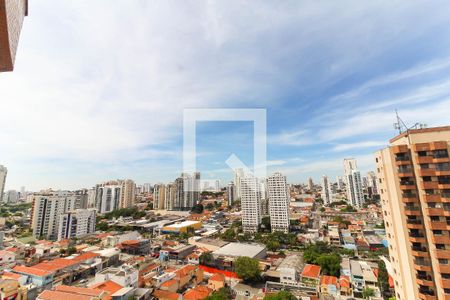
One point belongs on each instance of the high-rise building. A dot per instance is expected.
(354, 183)
(46, 210)
(278, 195)
(372, 184)
(414, 184)
(340, 183)
(250, 203)
(3, 173)
(170, 197)
(187, 191)
(238, 174)
(12, 13)
(75, 224)
(310, 184)
(11, 197)
(114, 194)
(81, 201)
(159, 196)
(326, 190)
(231, 193)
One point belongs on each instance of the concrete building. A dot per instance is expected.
(326, 190)
(231, 192)
(170, 197)
(250, 203)
(124, 275)
(372, 183)
(310, 184)
(115, 194)
(11, 197)
(354, 183)
(187, 191)
(12, 13)
(78, 223)
(278, 202)
(46, 211)
(340, 183)
(159, 196)
(238, 174)
(3, 173)
(414, 183)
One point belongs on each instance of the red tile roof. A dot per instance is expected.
(311, 271)
(55, 295)
(32, 271)
(217, 277)
(78, 290)
(110, 287)
(11, 275)
(86, 256)
(197, 293)
(160, 294)
(326, 280)
(169, 283)
(344, 281)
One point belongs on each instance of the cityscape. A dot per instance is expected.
(363, 216)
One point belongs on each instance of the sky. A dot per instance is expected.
(99, 87)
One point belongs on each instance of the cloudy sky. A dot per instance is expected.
(99, 87)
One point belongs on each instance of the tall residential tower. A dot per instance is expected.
(278, 193)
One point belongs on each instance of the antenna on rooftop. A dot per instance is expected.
(402, 127)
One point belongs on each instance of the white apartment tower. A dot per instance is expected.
(46, 211)
(231, 193)
(354, 183)
(310, 184)
(238, 174)
(3, 173)
(77, 223)
(326, 190)
(170, 197)
(250, 203)
(278, 194)
(115, 194)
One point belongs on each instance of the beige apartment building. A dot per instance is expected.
(414, 181)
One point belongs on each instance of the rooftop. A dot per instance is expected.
(311, 271)
(240, 249)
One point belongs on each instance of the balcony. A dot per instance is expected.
(440, 253)
(429, 185)
(441, 225)
(427, 295)
(414, 224)
(435, 211)
(419, 251)
(412, 211)
(425, 159)
(409, 198)
(440, 239)
(444, 268)
(445, 283)
(432, 198)
(425, 280)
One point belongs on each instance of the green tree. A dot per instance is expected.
(273, 245)
(229, 235)
(206, 258)
(330, 264)
(247, 268)
(197, 209)
(221, 294)
(265, 223)
(367, 293)
(209, 206)
(282, 295)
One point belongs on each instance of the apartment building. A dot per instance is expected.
(159, 196)
(77, 223)
(170, 197)
(12, 13)
(326, 190)
(414, 186)
(46, 210)
(250, 203)
(115, 194)
(231, 192)
(354, 182)
(3, 173)
(278, 202)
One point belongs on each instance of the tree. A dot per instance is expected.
(206, 258)
(273, 245)
(367, 293)
(330, 264)
(221, 294)
(265, 223)
(282, 295)
(247, 268)
(197, 209)
(229, 235)
(209, 206)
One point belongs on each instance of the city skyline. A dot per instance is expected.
(84, 110)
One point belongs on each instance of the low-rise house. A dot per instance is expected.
(135, 247)
(10, 289)
(7, 258)
(329, 285)
(37, 277)
(356, 278)
(216, 282)
(65, 292)
(199, 292)
(310, 276)
(124, 275)
(171, 285)
(109, 287)
(289, 270)
(166, 295)
(345, 286)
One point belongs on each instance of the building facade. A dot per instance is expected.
(278, 202)
(114, 194)
(3, 173)
(46, 211)
(414, 184)
(77, 223)
(326, 190)
(250, 203)
(354, 183)
(12, 13)
(231, 192)
(159, 196)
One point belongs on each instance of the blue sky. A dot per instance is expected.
(99, 87)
